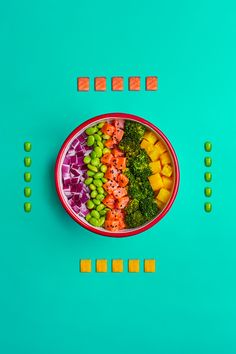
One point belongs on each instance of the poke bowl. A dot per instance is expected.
(117, 175)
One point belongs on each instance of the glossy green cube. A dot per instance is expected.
(27, 176)
(27, 192)
(27, 161)
(208, 207)
(208, 176)
(208, 161)
(208, 192)
(208, 146)
(27, 207)
(27, 146)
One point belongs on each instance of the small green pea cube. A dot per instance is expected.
(208, 207)
(208, 146)
(27, 161)
(27, 207)
(27, 192)
(27, 146)
(27, 176)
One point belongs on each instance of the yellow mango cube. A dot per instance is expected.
(167, 181)
(154, 154)
(156, 181)
(149, 148)
(150, 136)
(160, 204)
(167, 170)
(160, 147)
(101, 265)
(163, 195)
(165, 158)
(149, 265)
(155, 166)
(133, 265)
(117, 265)
(144, 144)
(85, 265)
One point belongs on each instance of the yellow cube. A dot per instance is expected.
(150, 136)
(167, 170)
(85, 265)
(160, 147)
(149, 148)
(144, 144)
(155, 166)
(117, 265)
(167, 181)
(101, 265)
(165, 158)
(154, 154)
(133, 265)
(160, 204)
(163, 195)
(156, 181)
(149, 265)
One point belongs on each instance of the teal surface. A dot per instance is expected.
(188, 305)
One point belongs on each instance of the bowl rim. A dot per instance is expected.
(103, 232)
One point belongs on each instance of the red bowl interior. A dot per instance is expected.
(82, 221)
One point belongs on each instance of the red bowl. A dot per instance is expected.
(58, 178)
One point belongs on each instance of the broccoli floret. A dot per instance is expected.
(134, 131)
(129, 146)
(134, 220)
(139, 165)
(132, 206)
(146, 189)
(148, 208)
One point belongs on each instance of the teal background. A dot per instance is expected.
(188, 305)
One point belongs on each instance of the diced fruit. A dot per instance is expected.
(107, 159)
(108, 129)
(155, 166)
(160, 204)
(168, 182)
(122, 180)
(167, 170)
(163, 195)
(149, 148)
(109, 201)
(156, 181)
(154, 154)
(150, 136)
(122, 202)
(160, 147)
(120, 162)
(119, 192)
(144, 144)
(165, 158)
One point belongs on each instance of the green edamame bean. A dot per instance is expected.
(92, 168)
(97, 137)
(95, 214)
(90, 173)
(103, 211)
(98, 151)
(99, 133)
(90, 204)
(208, 161)
(87, 159)
(27, 176)
(27, 207)
(100, 190)
(27, 146)
(97, 183)
(93, 221)
(100, 125)
(27, 161)
(88, 181)
(208, 207)
(93, 154)
(106, 137)
(106, 151)
(95, 161)
(90, 131)
(27, 192)
(90, 140)
(101, 221)
(208, 192)
(88, 217)
(104, 180)
(92, 187)
(94, 194)
(100, 144)
(100, 207)
(103, 168)
(98, 175)
(97, 201)
(208, 176)
(100, 197)
(208, 146)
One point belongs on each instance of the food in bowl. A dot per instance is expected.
(118, 175)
